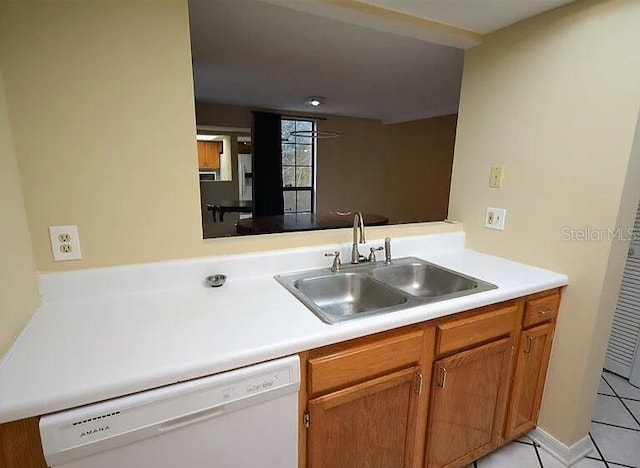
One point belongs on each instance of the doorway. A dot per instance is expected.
(623, 351)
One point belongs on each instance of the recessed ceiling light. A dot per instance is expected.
(314, 101)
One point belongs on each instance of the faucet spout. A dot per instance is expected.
(358, 228)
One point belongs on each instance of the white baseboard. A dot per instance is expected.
(567, 455)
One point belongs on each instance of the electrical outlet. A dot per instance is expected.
(495, 179)
(65, 243)
(494, 218)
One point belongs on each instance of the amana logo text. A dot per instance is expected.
(94, 431)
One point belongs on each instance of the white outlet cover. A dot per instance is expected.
(65, 243)
(494, 219)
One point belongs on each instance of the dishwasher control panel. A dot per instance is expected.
(259, 384)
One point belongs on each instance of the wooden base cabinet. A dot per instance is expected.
(532, 361)
(468, 396)
(366, 425)
(440, 394)
(20, 445)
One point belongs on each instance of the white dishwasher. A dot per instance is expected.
(238, 419)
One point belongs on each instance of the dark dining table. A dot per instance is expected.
(230, 206)
(291, 222)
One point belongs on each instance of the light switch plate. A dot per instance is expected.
(494, 219)
(495, 179)
(65, 243)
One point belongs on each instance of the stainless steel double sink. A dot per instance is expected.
(374, 288)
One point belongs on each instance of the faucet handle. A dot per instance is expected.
(372, 253)
(337, 263)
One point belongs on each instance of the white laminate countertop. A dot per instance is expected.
(109, 332)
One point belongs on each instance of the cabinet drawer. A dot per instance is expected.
(540, 310)
(463, 333)
(360, 362)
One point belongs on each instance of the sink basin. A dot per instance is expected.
(374, 288)
(337, 297)
(423, 280)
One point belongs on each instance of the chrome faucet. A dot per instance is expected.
(358, 225)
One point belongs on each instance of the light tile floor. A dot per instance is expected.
(615, 434)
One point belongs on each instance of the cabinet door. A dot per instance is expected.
(369, 425)
(213, 154)
(202, 154)
(468, 398)
(209, 154)
(533, 354)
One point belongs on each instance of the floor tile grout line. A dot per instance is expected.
(523, 442)
(533, 442)
(612, 463)
(622, 465)
(634, 429)
(606, 462)
(630, 412)
(614, 391)
(622, 398)
(613, 396)
(622, 401)
(593, 441)
(538, 455)
(609, 385)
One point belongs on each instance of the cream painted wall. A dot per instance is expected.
(18, 293)
(101, 103)
(100, 97)
(555, 99)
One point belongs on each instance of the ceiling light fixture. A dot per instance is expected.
(315, 101)
(318, 134)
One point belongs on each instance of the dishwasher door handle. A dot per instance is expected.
(189, 419)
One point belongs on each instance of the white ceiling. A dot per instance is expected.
(274, 53)
(482, 16)
(246, 52)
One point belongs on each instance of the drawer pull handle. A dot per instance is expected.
(443, 380)
(527, 350)
(546, 310)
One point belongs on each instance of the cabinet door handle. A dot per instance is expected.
(418, 388)
(527, 350)
(545, 311)
(443, 380)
